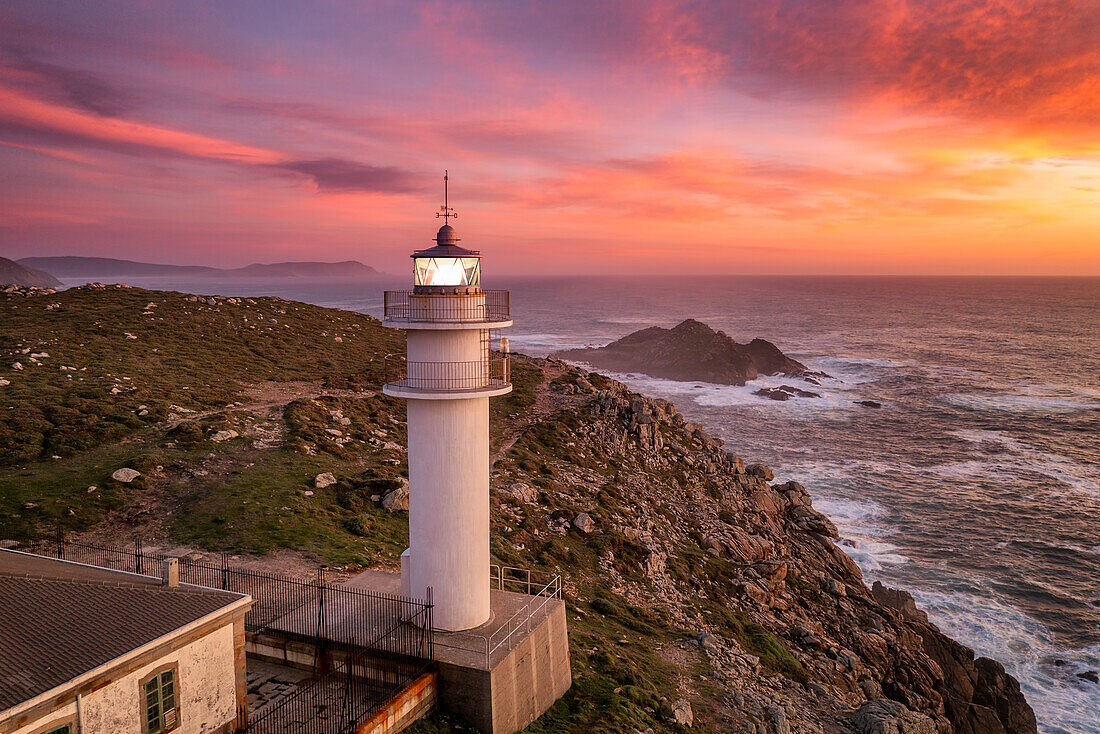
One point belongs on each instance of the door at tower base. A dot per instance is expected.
(449, 510)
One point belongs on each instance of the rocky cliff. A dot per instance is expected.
(689, 351)
(686, 531)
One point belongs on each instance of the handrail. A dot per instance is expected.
(493, 370)
(409, 306)
(521, 619)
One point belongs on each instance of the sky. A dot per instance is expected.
(581, 136)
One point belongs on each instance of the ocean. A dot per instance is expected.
(976, 485)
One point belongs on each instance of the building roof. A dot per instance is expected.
(59, 620)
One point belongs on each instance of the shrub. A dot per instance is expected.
(360, 525)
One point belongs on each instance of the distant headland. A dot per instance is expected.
(15, 273)
(102, 267)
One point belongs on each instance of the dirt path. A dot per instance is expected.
(546, 404)
(268, 399)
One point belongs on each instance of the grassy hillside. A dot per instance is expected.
(122, 376)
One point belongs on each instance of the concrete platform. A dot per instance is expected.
(502, 675)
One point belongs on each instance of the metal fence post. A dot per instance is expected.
(60, 541)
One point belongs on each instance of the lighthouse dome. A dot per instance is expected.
(446, 235)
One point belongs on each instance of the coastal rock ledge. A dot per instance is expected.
(691, 534)
(691, 351)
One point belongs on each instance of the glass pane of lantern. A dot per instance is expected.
(420, 270)
(471, 267)
(446, 271)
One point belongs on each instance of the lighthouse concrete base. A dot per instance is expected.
(503, 675)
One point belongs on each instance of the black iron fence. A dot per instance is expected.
(304, 607)
(368, 645)
(446, 308)
(493, 371)
(357, 686)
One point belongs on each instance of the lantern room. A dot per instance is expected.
(447, 267)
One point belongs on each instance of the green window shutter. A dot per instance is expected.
(160, 703)
(152, 706)
(168, 698)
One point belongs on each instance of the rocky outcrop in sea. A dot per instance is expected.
(690, 351)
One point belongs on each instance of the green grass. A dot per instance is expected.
(59, 488)
(184, 353)
(260, 507)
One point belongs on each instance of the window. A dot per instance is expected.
(161, 714)
(63, 729)
(446, 271)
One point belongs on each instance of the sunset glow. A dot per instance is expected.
(648, 137)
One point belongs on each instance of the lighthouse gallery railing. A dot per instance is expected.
(488, 306)
(493, 371)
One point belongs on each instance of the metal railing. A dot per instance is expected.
(493, 371)
(306, 608)
(336, 701)
(409, 306)
(368, 645)
(543, 587)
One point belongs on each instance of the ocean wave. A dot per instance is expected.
(1018, 459)
(836, 361)
(539, 345)
(836, 396)
(1063, 703)
(1010, 403)
(862, 526)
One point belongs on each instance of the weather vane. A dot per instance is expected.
(445, 211)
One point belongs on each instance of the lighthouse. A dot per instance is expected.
(450, 371)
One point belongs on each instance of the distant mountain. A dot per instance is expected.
(20, 274)
(346, 269)
(104, 267)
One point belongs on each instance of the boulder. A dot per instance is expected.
(222, 436)
(397, 500)
(522, 492)
(324, 480)
(584, 523)
(980, 695)
(125, 475)
(890, 717)
(759, 470)
(899, 600)
(785, 392)
(681, 712)
(777, 720)
(806, 518)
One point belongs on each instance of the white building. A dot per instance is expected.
(450, 374)
(86, 650)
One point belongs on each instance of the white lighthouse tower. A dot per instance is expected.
(448, 376)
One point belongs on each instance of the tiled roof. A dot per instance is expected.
(55, 626)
